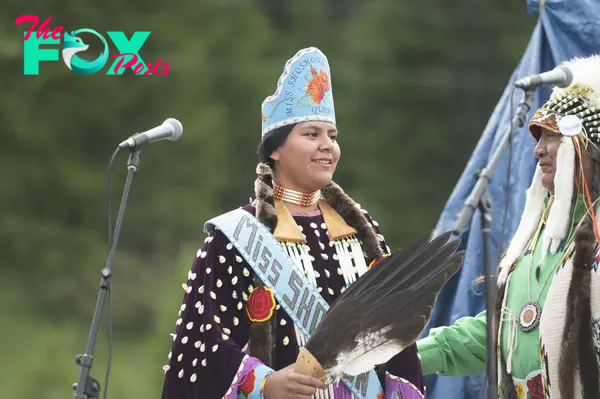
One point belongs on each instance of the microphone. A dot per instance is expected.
(560, 76)
(171, 129)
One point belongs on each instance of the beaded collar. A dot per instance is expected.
(295, 197)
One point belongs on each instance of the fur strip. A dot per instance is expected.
(581, 286)
(578, 350)
(588, 361)
(559, 217)
(534, 205)
(351, 213)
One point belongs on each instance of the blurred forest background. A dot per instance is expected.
(414, 84)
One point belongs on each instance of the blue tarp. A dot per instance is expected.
(565, 29)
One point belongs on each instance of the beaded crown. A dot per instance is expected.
(303, 94)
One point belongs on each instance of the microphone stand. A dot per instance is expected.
(88, 386)
(481, 199)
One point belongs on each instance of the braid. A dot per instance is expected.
(262, 335)
(263, 190)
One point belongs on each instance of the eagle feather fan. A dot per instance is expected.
(381, 313)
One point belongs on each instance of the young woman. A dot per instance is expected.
(233, 338)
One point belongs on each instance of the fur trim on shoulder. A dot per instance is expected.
(351, 213)
(332, 194)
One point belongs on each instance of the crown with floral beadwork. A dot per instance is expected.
(579, 101)
(303, 93)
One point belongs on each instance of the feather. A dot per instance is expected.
(385, 310)
(586, 80)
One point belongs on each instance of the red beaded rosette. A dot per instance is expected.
(536, 389)
(377, 260)
(261, 304)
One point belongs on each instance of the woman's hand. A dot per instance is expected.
(287, 384)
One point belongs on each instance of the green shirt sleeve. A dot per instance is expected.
(458, 350)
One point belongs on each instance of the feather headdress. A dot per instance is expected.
(580, 101)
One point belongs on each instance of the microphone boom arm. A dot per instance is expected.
(485, 177)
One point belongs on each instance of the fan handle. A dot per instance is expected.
(306, 364)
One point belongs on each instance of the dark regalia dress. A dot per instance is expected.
(210, 349)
